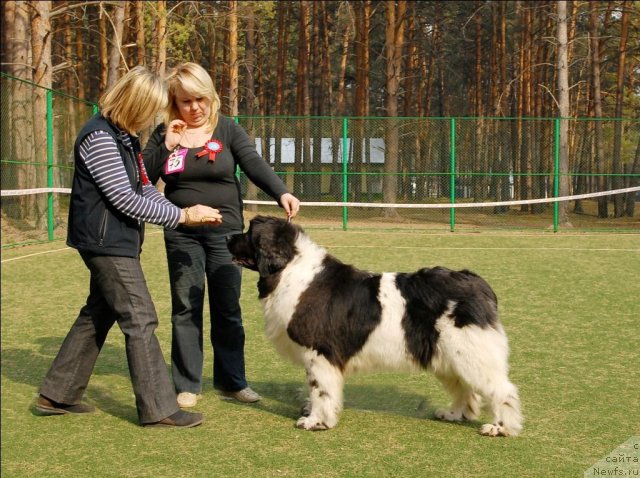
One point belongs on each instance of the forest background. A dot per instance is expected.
(433, 58)
(478, 59)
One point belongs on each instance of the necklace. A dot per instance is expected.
(195, 139)
(198, 131)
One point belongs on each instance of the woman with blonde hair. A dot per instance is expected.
(111, 198)
(196, 152)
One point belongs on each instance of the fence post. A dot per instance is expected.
(50, 218)
(556, 171)
(345, 159)
(452, 166)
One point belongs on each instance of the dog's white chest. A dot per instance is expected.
(280, 305)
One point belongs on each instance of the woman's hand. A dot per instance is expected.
(174, 134)
(290, 204)
(199, 215)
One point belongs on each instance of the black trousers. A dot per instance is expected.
(195, 254)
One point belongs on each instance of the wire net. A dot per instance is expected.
(444, 160)
(362, 160)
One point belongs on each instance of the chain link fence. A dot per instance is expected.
(380, 162)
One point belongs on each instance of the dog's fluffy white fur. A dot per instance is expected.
(335, 319)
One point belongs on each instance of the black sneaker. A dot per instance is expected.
(179, 419)
(45, 406)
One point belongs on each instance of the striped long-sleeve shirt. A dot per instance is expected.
(100, 154)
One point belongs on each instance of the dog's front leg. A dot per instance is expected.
(325, 394)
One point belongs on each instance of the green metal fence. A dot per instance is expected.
(350, 162)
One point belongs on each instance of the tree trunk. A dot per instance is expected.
(160, 63)
(478, 110)
(524, 109)
(361, 101)
(19, 114)
(140, 40)
(127, 39)
(394, 38)
(250, 88)
(618, 199)
(282, 14)
(302, 156)
(563, 105)
(80, 67)
(326, 72)
(634, 171)
(597, 105)
(69, 128)
(232, 23)
(410, 147)
(318, 93)
(115, 52)
(340, 102)
(41, 51)
(103, 50)
(212, 41)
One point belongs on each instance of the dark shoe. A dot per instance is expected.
(48, 407)
(246, 395)
(179, 419)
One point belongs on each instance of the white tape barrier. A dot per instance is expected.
(24, 192)
(458, 205)
(21, 192)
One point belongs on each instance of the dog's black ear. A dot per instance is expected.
(274, 242)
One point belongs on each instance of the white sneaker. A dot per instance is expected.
(187, 399)
(246, 395)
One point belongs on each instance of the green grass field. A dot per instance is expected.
(570, 304)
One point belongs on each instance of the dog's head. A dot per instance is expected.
(266, 247)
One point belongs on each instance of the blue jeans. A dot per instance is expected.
(117, 293)
(193, 254)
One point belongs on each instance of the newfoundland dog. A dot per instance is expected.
(335, 319)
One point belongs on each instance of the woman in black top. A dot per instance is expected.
(195, 153)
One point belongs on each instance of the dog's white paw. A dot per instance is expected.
(449, 415)
(311, 424)
(493, 430)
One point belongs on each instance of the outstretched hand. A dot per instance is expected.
(199, 215)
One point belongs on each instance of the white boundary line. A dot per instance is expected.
(339, 246)
(151, 233)
(34, 254)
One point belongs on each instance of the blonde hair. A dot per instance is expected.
(195, 81)
(134, 100)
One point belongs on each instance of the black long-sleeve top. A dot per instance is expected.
(213, 183)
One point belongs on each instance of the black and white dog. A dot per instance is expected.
(335, 319)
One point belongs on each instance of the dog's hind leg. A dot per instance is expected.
(325, 394)
(487, 374)
(465, 404)
(477, 357)
(505, 406)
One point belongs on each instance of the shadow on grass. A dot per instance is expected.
(29, 368)
(25, 366)
(286, 398)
